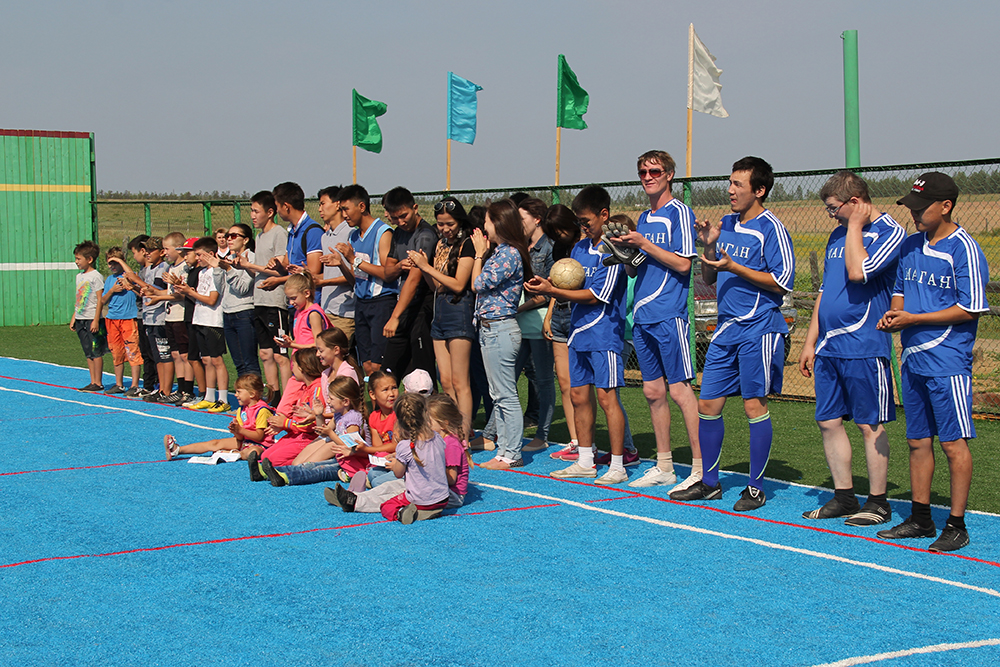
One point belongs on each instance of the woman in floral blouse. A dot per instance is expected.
(497, 278)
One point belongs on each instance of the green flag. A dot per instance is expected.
(367, 133)
(571, 99)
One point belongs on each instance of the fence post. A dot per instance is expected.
(207, 211)
(555, 195)
(148, 218)
(236, 213)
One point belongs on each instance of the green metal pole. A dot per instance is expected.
(236, 213)
(852, 114)
(555, 195)
(692, 335)
(207, 211)
(148, 218)
(93, 191)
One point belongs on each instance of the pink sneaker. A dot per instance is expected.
(567, 453)
(630, 459)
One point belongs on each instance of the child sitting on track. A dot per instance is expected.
(249, 427)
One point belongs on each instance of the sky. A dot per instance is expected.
(239, 96)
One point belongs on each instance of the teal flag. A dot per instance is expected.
(367, 133)
(462, 109)
(571, 99)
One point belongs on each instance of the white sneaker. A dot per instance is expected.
(612, 476)
(654, 477)
(689, 482)
(574, 470)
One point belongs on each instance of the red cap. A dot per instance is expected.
(189, 244)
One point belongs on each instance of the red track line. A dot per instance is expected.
(762, 519)
(106, 465)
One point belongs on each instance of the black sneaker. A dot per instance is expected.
(173, 399)
(834, 509)
(698, 491)
(751, 498)
(906, 530)
(115, 389)
(952, 539)
(143, 393)
(91, 388)
(253, 462)
(872, 514)
(272, 474)
(155, 397)
(340, 497)
(134, 392)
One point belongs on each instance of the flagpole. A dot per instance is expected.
(447, 182)
(354, 169)
(690, 104)
(558, 149)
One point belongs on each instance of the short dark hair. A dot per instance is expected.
(139, 242)
(88, 249)
(397, 199)
(592, 199)
(206, 243)
(560, 219)
(761, 174)
(535, 207)
(519, 197)
(291, 194)
(333, 192)
(266, 200)
(358, 194)
(844, 185)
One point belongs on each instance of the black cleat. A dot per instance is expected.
(833, 509)
(906, 530)
(952, 539)
(872, 514)
(698, 491)
(751, 498)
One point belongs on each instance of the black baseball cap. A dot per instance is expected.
(929, 188)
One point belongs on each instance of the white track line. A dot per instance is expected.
(937, 648)
(763, 543)
(109, 407)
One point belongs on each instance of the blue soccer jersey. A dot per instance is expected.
(599, 326)
(849, 311)
(660, 292)
(930, 278)
(747, 311)
(367, 286)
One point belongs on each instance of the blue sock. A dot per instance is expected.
(761, 435)
(711, 431)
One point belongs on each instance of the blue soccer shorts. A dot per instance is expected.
(663, 350)
(751, 368)
(603, 369)
(854, 389)
(940, 406)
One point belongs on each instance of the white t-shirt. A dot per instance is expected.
(88, 286)
(210, 280)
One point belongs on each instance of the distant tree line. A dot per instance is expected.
(172, 196)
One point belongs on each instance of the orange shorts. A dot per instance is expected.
(123, 339)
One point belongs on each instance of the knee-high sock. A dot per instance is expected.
(761, 435)
(711, 431)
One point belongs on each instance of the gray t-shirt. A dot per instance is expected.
(423, 237)
(269, 244)
(239, 287)
(336, 299)
(156, 314)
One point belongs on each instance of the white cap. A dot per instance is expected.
(418, 382)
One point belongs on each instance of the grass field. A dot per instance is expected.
(797, 455)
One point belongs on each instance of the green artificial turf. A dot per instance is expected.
(797, 455)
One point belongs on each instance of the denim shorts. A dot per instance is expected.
(453, 320)
(560, 322)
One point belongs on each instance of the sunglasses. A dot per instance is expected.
(446, 206)
(654, 172)
(235, 236)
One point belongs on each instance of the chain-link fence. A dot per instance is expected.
(794, 200)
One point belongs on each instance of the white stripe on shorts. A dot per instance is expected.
(961, 386)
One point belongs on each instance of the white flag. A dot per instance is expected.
(704, 89)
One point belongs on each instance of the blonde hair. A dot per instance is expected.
(443, 409)
(251, 382)
(302, 283)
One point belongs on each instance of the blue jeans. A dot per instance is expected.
(500, 342)
(241, 339)
(312, 472)
(379, 475)
(540, 351)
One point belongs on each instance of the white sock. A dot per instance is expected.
(586, 459)
(665, 461)
(617, 462)
(696, 470)
(223, 395)
(210, 394)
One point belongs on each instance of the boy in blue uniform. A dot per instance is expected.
(847, 353)
(750, 253)
(939, 293)
(664, 236)
(596, 340)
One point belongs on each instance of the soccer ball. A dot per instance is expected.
(567, 273)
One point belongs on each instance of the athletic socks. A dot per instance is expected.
(586, 459)
(761, 435)
(210, 395)
(879, 499)
(711, 431)
(921, 514)
(696, 468)
(846, 496)
(956, 522)
(618, 462)
(223, 395)
(665, 461)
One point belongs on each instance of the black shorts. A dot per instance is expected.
(267, 321)
(95, 345)
(159, 346)
(370, 318)
(177, 336)
(193, 353)
(211, 341)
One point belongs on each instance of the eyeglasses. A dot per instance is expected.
(235, 236)
(653, 173)
(447, 206)
(832, 211)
